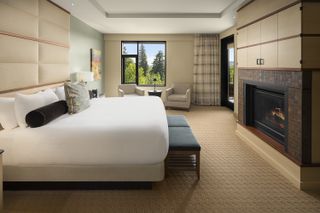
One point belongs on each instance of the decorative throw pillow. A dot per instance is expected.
(26, 103)
(7, 115)
(77, 97)
(43, 115)
(60, 93)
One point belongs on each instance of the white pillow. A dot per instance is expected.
(7, 115)
(60, 93)
(26, 103)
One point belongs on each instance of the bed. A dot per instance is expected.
(115, 139)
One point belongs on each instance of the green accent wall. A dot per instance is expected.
(82, 39)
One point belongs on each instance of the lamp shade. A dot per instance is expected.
(81, 76)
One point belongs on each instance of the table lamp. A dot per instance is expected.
(81, 76)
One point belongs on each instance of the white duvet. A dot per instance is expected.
(112, 131)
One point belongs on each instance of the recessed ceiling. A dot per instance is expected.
(153, 17)
(165, 6)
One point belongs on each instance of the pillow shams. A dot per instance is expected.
(59, 91)
(26, 103)
(77, 97)
(7, 114)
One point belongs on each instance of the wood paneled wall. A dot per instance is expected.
(286, 35)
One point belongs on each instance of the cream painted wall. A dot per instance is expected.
(228, 32)
(179, 58)
(82, 39)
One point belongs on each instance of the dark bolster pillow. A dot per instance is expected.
(45, 114)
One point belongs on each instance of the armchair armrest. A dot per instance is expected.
(169, 91)
(139, 91)
(120, 93)
(188, 94)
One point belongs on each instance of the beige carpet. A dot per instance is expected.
(233, 179)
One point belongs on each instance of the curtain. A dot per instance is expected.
(206, 72)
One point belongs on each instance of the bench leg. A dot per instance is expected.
(166, 166)
(198, 164)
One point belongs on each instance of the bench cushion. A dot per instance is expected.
(177, 121)
(182, 139)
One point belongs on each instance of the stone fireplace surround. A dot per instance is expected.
(298, 86)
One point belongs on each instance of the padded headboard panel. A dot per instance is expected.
(34, 44)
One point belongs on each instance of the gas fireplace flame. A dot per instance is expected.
(278, 113)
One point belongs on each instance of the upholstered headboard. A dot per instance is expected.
(34, 44)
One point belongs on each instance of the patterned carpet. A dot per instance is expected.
(233, 179)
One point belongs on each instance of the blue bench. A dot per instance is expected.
(184, 150)
(177, 121)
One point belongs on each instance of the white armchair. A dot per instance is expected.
(178, 96)
(129, 90)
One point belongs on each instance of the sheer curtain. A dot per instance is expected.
(206, 72)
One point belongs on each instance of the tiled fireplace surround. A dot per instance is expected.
(298, 86)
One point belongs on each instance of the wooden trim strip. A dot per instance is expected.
(31, 87)
(301, 30)
(53, 43)
(310, 35)
(289, 37)
(267, 42)
(245, 5)
(58, 6)
(270, 14)
(314, 69)
(282, 69)
(34, 39)
(311, 165)
(306, 119)
(18, 36)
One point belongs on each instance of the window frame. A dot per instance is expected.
(137, 62)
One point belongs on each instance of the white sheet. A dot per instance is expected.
(111, 131)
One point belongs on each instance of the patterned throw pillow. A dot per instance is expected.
(77, 97)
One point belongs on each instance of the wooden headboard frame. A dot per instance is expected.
(30, 90)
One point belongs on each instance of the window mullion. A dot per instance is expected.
(137, 70)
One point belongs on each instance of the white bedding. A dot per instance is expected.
(111, 131)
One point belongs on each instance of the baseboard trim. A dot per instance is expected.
(77, 185)
(285, 166)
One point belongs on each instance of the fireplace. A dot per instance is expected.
(266, 110)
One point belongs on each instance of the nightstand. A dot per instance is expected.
(155, 93)
(1, 180)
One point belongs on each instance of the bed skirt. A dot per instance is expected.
(116, 173)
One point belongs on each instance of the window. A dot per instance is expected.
(231, 72)
(144, 62)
